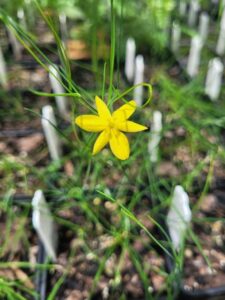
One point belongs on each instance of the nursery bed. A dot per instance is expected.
(110, 244)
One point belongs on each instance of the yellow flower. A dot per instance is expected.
(111, 127)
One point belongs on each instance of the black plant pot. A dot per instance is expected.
(41, 275)
(215, 293)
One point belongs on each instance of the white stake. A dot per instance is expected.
(220, 47)
(155, 137)
(214, 78)
(16, 47)
(216, 2)
(63, 26)
(57, 88)
(3, 71)
(194, 56)
(139, 78)
(29, 12)
(182, 8)
(130, 59)
(179, 216)
(43, 224)
(222, 21)
(21, 17)
(204, 26)
(193, 13)
(48, 122)
(175, 39)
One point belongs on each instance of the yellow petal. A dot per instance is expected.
(119, 144)
(102, 108)
(91, 123)
(101, 141)
(125, 111)
(129, 126)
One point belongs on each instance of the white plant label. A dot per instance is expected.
(55, 80)
(21, 17)
(3, 71)
(193, 13)
(139, 78)
(156, 128)
(16, 47)
(63, 26)
(48, 122)
(182, 8)
(214, 78)
(220, 47)
(29, 11)
(179, 216)
(194, 56)
(204, 26)
(222, 21)
(130, 59)
(43, 224)
(175, 39)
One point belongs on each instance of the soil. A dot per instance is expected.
(23, 78)
(198, 274)
(80, 276)
(23, 250)
(20, 108)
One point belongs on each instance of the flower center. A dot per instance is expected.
(111, 124)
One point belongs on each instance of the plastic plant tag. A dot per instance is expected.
(48, 123)
(3, 72)
(194, 56)
(21, 17)
(63, 26)
(214, 78)
(204, 26)
(43, 224)
(182, 8)
(139, 78)
(16, 46)
(179, 216)
(55, 80)
(29, 12)
(175, 39)
(193, 13)
(222, 21)
(220, 47)
(155, 137)
(130, 59)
